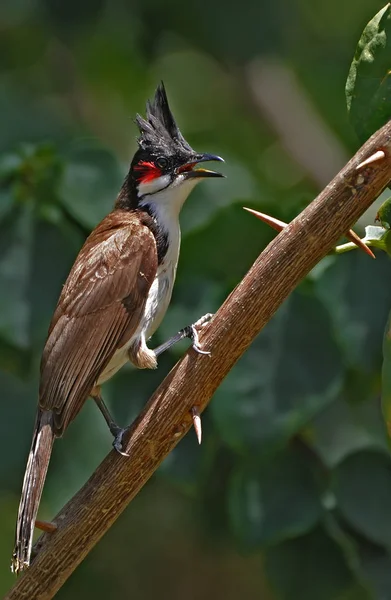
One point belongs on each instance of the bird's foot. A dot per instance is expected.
(192, 332)
(118, 434)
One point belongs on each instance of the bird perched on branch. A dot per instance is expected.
(115, 297)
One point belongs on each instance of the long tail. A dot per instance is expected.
(34, 479)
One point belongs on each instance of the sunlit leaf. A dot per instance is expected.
(368, 87)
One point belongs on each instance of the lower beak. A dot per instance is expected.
(189, 171)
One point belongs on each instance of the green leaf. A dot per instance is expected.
(49, 270)
(18, 407)
(362, 487)
(274, 501)
(386, 376)
(353, 290)
(290, 373)
(308, 568)
(16, 236)
(384, 214)
(34, 172)
(376, 568)
(344, 428)
(250, 240)
(188, 463)
(368, 87)
(356, 592)
(345, 540)
(6, 202)
(208, 200)
(378, 237)
(91, 181)
(14, 359)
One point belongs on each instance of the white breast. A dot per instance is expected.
(165, 206)
(156, 306)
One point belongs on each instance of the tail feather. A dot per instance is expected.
(34, 479)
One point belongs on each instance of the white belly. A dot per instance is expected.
(156, 307)
(160, 292)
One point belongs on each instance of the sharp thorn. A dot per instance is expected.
(353, 237)
(46, 526)
(279, 226)
(195, 413)
(379, 155)
(275, 223)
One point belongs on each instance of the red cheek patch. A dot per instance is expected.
(148, 171)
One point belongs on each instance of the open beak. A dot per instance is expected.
(190, 171)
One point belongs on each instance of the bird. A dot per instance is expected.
(114, 298)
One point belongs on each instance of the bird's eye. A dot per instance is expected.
(162, 162)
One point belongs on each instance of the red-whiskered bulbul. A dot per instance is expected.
(115, 297)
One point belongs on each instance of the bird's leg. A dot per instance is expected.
(116, 431)
(187, 332)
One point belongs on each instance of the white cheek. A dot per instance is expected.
(151, 187)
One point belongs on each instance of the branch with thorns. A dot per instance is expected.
(180, 399)
(350, 235)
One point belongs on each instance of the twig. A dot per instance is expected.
(192, 382)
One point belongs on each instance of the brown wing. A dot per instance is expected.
(98, 311)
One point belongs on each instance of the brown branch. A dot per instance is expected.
(192, 382)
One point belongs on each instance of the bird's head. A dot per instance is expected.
(165, 168)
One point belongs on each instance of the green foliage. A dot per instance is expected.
(273, 501)
(384, 214)
(386, 375)
(267, 399)
(365, 508)
(311, 566)
(378, 237)
(294, 467)
(86, 188)
(368, 87)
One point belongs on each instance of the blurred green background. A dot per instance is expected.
(289, 495)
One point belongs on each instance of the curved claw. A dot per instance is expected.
(117, 442)
(194, 337)
(198, 349)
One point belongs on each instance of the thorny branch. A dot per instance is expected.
(188, 388)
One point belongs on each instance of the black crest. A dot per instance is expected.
(159, 129)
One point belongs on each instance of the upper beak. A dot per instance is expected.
(189, 171)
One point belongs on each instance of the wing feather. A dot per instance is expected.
(99, 309)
